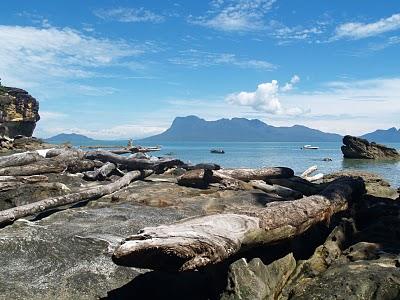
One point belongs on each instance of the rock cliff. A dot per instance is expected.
(19, 112)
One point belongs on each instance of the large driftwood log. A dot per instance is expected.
(42, 167)
(20, 159)
(197, 242)
(276, 189)
(10, 215)
(133, 163)
(296, 183)
(253, 174)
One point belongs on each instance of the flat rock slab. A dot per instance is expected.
(67, 253)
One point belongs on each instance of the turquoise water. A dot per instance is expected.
(256, 155)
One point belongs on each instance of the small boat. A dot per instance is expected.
(309, 147)
(217, 151)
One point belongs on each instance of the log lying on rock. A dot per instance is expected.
(10, 215)
(200, 241)
(276, 189)
(309, 171)
(134, 163)
(20, 159)
(101, 173)
(231, 177)
(296, 183)
(205, 166)
(254, 174)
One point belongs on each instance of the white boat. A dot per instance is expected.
(309, 147)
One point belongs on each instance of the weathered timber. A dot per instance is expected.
(197, 242)
(315, 177)
(134, 163)
(276, 189)
(101, 173)
(296, 183)
(199, 178)
(253, 174)
(24, 179)
(309, 171)
(42, 167)
(206, 166)
(10, 215)
(20, 159)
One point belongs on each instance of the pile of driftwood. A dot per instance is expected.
(206, 240)
(196, 242)
(94, 165)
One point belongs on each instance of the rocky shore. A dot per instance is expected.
(337, 238)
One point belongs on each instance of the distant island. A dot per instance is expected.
(80, 139)
(193, 128)
(391, 135)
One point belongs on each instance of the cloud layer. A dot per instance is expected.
(356, 30)
(235, 15)
(129, 15)
(32, 54)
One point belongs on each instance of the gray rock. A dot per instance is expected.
(255, 280)
(355, 147)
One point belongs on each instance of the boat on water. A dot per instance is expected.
(217, 151)
(309, 147)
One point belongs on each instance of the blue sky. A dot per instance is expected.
(118, 69)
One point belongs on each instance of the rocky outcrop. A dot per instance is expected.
(355, 147)
(19, 112)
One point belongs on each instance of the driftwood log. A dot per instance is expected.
(231, 177)
(10, 215)
(133, 163)
(276, 189)
(101, 173)
(20, 159)
(201, 241)
(253, 174)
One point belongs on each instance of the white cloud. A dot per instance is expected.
(235, 15)
(287, 34)
(265, 99)
(129, 15)
(195, 59)
(32, 55)
(51, 115)
(289, 85)
(356, 30)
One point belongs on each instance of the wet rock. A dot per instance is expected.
(355, 147)
(255, 280)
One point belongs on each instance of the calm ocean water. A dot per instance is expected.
(255, 155)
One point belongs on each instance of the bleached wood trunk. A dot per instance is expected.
(309, 171)
(10, 215)
(276, 189)
(253, 174)
(197, 242)
(19, 159)
(133, 163)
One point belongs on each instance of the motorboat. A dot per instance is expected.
(217, 151)
(309, 147)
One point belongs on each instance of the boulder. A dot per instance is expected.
(19, 112)
(355, 147)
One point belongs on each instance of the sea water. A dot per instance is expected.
(267, 154)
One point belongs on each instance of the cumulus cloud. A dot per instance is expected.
(266, 98)
(356, 30)
(29, 55)
(235, 15)
(289, 85)
(129, 15)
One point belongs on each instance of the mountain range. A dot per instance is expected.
(193, 128)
